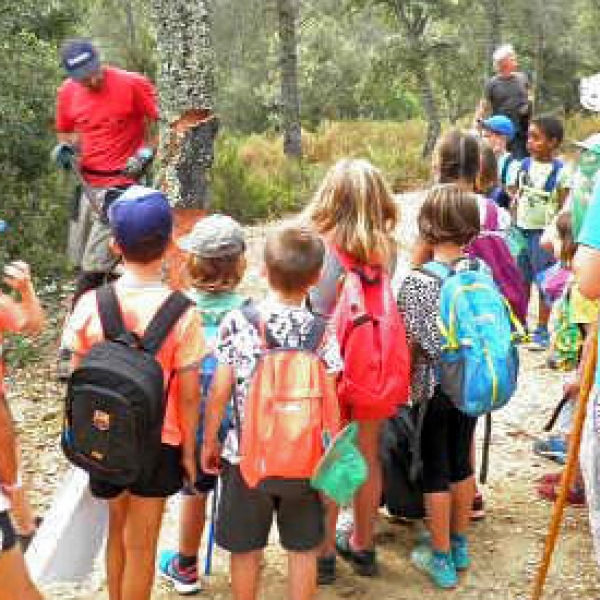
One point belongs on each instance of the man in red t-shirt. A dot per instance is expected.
(104, 118)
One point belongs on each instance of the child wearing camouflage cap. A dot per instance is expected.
(215, 266)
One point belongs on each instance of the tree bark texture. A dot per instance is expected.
(186, 90)
(288, 13)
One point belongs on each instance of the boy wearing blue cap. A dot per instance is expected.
(499, 131)
(141, 225)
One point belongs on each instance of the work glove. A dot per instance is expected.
(63, 155)
(139, 162)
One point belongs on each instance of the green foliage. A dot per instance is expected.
(246, 193)
(31, 203)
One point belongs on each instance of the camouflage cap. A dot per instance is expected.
(215, 236)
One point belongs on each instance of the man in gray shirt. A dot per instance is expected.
(507, 93)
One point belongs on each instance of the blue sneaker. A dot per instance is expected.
(439, 566)
(540, 339)
(553, 448)
(184, 580)
(460, 552)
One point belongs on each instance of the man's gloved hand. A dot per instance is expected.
(63, 155)
(139, 162)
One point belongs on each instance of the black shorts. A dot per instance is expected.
(245, 514)
(163, 480)
(205, 482)
(445, 444)
(8, 535)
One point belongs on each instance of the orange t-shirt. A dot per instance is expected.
(183, 348)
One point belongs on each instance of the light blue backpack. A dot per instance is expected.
(480, 361)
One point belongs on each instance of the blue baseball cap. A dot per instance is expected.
(80, 59)
(140, 213)
(501, 125)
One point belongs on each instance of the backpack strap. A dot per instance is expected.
(164, 320)
(505, 168)
(110, 313)
(552, 180)
(314, 336)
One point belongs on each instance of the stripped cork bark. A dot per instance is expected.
(186, 91)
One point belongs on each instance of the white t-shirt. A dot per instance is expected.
(4, 503)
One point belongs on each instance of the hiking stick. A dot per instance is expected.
(210, 544)
(587, 383)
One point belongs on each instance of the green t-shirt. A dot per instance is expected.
(213, 307)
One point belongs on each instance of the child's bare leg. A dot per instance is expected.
(21, 509)
(302, 575)
(245, 574)
(331, 516)
(115, 547)
(15, 579)
(462, 502)
(142, 526)
(191, 524)
(368, 497)
(543, 312)
(438, 511)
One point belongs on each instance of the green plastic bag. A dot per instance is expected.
(342, 470)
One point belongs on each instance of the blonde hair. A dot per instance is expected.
(355, 208)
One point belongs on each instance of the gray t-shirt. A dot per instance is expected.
(508, 96)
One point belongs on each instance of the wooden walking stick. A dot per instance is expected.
(587, 383)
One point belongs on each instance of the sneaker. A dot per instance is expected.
(325, 570)
(478, 509)
(460, 552)
(540, 339)
(554, 448)
(575, 497)
(440, 567)
(185, 581)
(364, 562)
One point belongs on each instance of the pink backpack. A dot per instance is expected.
(492, 248)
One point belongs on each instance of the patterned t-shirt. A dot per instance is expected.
(419, 304)
(239, 345)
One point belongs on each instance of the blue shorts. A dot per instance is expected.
(535, 259)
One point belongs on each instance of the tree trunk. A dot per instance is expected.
(288, 12)
(186, 88)
(538, 59)
(430, 106)
(494, 16)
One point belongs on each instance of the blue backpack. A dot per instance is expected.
(479, 361)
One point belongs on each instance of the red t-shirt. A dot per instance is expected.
(110, 121)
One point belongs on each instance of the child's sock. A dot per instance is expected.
(185, 562)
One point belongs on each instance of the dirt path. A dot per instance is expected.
(506, 546)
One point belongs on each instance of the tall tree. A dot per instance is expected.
(186, 90)
(288, 13)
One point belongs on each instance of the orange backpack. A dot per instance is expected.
(290, 412)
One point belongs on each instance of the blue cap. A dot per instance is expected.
(140, 213)
(501, 125)
(80, 59)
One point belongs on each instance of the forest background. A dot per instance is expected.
(373, 78)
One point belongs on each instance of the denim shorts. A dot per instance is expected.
(535, 259)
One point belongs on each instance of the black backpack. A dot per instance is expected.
(401, 462)
(116, 397)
